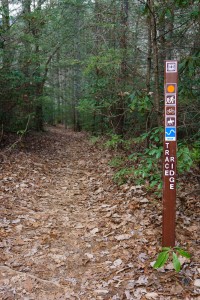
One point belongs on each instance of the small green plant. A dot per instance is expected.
(115, 141)
(94, 140)
(122, 176)
(21, 132)
(185, 160)
(173, 254)
(116, 161)
(196, 152)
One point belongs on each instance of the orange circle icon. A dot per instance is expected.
(170, 88)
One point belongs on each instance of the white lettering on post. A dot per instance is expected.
(169, 166)
(166, 152)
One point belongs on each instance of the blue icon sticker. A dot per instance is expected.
(170, 134)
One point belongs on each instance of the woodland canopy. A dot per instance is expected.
(97, 65)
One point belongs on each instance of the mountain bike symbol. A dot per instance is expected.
(170, 111)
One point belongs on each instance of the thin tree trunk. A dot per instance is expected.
(170, 28)
(38, 85)
(5, 102)
(6, 59)
(155, 62)
(148, 74)
(77, 70)
(27, 55)
(120, 111)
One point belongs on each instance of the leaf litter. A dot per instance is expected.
(68, 232)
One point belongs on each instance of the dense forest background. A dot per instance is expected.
(99, 66)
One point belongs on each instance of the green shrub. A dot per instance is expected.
(145, 167)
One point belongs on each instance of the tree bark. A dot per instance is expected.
(148, 73)
(120, 109)
(6, 102)
(6, 59)
(155, 62)
(77, 70)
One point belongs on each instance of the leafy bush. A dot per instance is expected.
(145, 166)
(184, 156)
(117, 161)
(122, 175)
(115, 141)
(195, 155)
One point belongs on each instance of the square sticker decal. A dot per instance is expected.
(170, 134)
(170, 110)
(170, 88)
(170, 99)
(171, 67)
(170, 121)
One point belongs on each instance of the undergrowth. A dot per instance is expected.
(144, 166)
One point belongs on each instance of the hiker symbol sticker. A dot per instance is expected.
(170, 99)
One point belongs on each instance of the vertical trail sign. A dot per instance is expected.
(170, 145)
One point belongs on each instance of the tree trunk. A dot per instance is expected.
(148, 74)
(120, 110)
(155, 62)
(77, 69)
(6, 59)
(6, 102)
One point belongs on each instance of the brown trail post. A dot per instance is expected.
(170, 145)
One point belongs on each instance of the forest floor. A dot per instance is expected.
(68, 232)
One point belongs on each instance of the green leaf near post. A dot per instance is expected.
(176, 262)
(182, 252)
(161, 260)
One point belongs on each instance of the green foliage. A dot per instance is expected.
(21, 132)
(145, 167)
(115, 142)
(116, 161)
(88, 110)
(96, 75)
(142, 167)
(94, 140)
(123, 175)
(87, 106)
(148, 167)
(104, 62)
(140, 102)
(184, 156)
(153, 135)
(48, 109)
(162, 258)
(188, 156)
(182, 252)
(195, 152)
(173, 254)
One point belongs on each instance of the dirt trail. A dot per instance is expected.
(67, 232)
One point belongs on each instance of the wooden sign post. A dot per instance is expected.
(170, 145)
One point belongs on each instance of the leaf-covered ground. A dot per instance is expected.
(68, 232)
